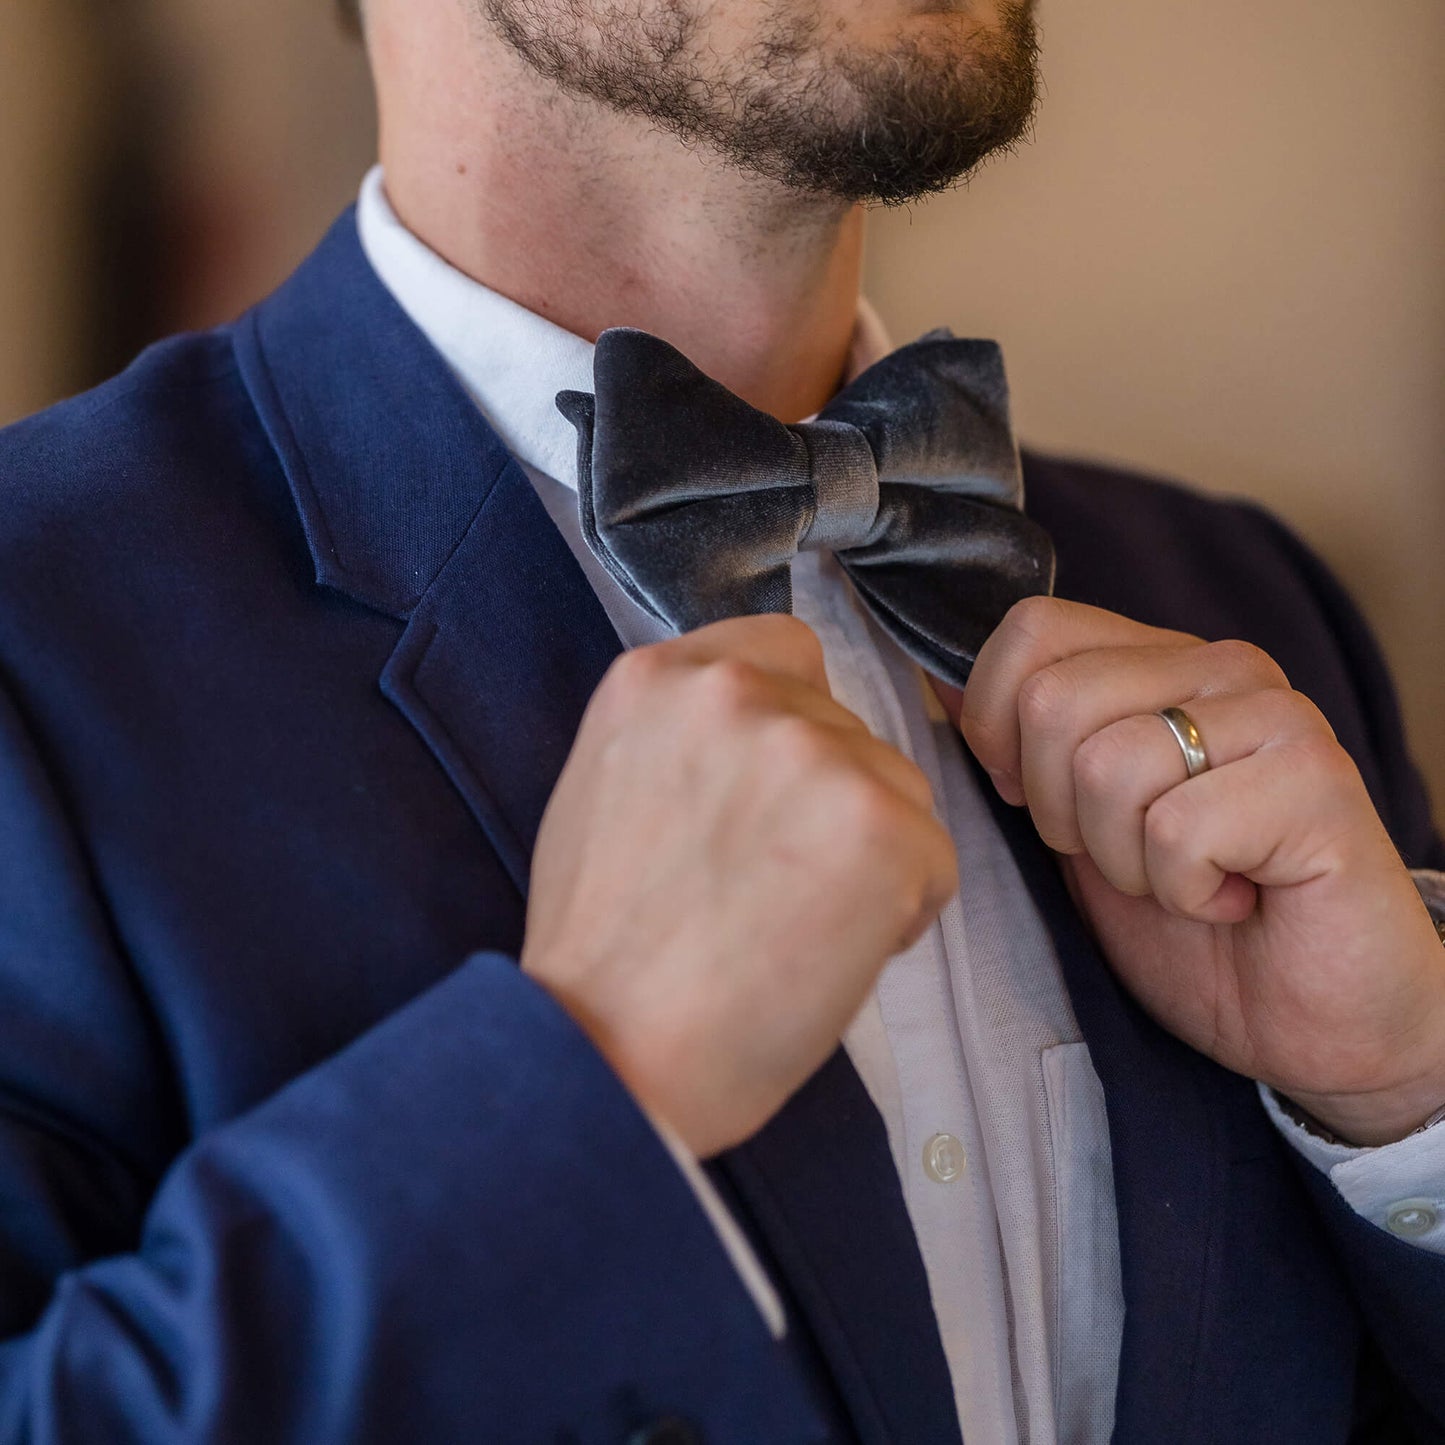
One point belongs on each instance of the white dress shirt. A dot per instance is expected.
(968, 1044)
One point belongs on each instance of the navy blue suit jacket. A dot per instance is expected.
(291, 1151)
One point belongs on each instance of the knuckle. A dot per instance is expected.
(1239, 661)
(911, 780)
(1320, 758)
(1032, 620)
(1288, 715)
(1047, 701)
(1309, 720)
(799, 746)
(871, 812)
(1169, 824)
(1097, 763)
(795, 639)
(800, 635)
(632, 676)
(728, 687)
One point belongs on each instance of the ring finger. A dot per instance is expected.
(1062, 705)
(1122, 770)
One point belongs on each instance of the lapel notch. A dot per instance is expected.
(411, 505)
(498, 663)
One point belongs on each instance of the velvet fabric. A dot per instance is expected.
(697, 502)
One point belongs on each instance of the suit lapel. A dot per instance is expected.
(498, 662)
(411, 505)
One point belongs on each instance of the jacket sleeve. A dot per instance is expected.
(461, 1227)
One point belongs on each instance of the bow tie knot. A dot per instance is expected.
(845, 480)
(698, 503)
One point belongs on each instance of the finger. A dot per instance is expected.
(1035, 634)
(1281, 817)
(773, 642)
(1122, 770)
(802, 749)
(897, 772)
(780, 695)
(1064, 704)
(874, 799)
(928, 886)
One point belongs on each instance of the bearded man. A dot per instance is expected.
(577, 867)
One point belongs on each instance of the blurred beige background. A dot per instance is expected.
(163, 163)
(1221, 258)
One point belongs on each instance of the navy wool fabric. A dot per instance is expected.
(291, 1151)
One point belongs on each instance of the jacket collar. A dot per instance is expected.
(510, 361)
(387, 459)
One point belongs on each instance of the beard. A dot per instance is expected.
(858, 125)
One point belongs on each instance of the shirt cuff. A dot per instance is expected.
(729, 1232)
(1400, 1187)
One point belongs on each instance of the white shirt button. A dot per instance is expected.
(944, 1158)
(1411, 1218)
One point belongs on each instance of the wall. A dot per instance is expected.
(163, 163)
(47, 111)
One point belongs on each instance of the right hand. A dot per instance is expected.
(726, 864)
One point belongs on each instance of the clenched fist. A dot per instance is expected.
(727, 862)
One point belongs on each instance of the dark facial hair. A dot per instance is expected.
(858, 125)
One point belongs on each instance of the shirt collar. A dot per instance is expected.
(510, 360)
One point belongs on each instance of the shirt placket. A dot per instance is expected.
(928, 1107)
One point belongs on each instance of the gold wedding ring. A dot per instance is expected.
(1187, 736)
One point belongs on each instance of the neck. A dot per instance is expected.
(593, 220)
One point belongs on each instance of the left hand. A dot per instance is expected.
(1258, 911)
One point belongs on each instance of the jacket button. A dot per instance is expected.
(671, 1431)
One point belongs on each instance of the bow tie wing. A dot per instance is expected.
(952, 550)
(693, 500)
(936, 414)
(946, 573)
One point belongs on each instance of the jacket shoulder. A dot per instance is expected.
(1150, 547)
(113, 442)
(157, 483)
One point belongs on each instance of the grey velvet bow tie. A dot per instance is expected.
(697, 503)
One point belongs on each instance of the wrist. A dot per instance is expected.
(1373, 1118)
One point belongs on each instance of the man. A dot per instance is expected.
(1133, 1132)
